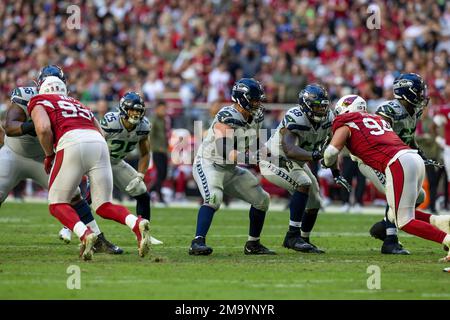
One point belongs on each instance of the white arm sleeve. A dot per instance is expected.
(330, 155)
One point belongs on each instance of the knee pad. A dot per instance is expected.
(214, 200)
(264, 202)
(137, 189)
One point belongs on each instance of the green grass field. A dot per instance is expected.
(33, 262)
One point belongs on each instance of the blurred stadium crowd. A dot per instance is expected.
(189, 52)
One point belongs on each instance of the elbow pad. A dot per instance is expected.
(330, 155)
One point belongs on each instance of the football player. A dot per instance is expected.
(232, 132)
(66, 126)
(402, 113)
(300, 137)
(372, 139)
(123, 130)
(22, 156)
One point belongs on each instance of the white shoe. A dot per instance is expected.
(65, 235)
(356, 208)
(345, 208)
(142, 232)
(155, 241)
(87, 245)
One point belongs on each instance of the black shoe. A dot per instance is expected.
(393, 247)
(292, 240)
(199, 247)
(255, 247)
(378, 230)
(104, 246)
(316, 250)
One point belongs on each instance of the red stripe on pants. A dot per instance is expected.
(56, 167)
(398, 179)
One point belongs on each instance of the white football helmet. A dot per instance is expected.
(350, 103)
(53, 85)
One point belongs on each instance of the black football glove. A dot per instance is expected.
(317, 155)
(340, 180)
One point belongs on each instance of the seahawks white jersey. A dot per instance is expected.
(403, 124)
(245, 133)
(310, 136)
(121, 141)
(26, 145)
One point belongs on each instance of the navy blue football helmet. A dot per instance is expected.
(132, 101)
(314, 102)
(249, 94)
(50, 70)
(411, 88)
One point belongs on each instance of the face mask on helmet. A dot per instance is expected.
(132, 107)
(135, 115)
(318, 109)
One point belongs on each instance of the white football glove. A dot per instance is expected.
(136, 186)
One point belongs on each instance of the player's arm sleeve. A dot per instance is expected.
(340, 135)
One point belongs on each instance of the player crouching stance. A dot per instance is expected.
(124, 130)
(216, 172)
(299, 138)
(65, 123)
(371, 139)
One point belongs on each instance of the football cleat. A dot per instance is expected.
(199, 247)
(65, 235)
(378, 230)
(155, 241)
(292, 240)
(316, 250)
(390, 247)
(104, 246)
(142, 231)
(87, 245)
(255, 247)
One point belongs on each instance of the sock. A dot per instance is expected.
(305, 235)
(250, 238)
(79, 229)
(256, 222)
(297, 209)
(143, 205)
(422, 216)
(113, 212)
(308, 221)
(94, 227)
(204, 220)
(84, 211)
(130, 221)
(65, 214)
(424, 230)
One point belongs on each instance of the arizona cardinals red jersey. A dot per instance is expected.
(65, 113)
(372, 138)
